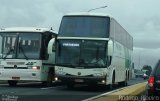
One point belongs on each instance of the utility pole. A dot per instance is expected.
(139, 61)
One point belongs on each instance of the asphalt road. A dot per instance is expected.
(36, 92)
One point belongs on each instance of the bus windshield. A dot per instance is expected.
(20, 45)
(84, 26)
(81, 53)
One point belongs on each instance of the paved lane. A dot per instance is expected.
(35, 91)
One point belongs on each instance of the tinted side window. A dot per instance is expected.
(157, 69)
(85, 26)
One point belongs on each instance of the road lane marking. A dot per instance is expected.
(3, 84)
(30, 83)
(51, 87)
(23, 83)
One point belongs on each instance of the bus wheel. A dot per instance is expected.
(70, 85)
(123, 83)
(50, 78)
(12, 83)
(110, 86)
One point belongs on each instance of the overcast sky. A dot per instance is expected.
(141, 18)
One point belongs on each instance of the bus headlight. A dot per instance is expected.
(56, 78)
(36, 67)
(103, 81)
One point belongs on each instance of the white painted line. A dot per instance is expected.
(3, 84)
(23, 83)
(94, 97)
(30, 83)
(26, 83)
(51, 87)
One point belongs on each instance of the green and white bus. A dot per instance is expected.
(93, 48)
(24, 55)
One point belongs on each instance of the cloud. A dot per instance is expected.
(139, 17)
(20, 13)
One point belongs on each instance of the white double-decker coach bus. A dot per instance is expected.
(24, 55)
(93, 48)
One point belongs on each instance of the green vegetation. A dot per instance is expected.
(147, 69)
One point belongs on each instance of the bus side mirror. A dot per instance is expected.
(51, 46)
(110, 48)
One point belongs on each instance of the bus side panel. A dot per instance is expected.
(122, 55)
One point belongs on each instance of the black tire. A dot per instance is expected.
(111, 86)
(12, 83)
(50, 78)
(123, 83)
(70, 85)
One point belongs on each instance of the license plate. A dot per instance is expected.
(16, 78)
(79, 80)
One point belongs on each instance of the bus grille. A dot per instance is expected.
(16, 68)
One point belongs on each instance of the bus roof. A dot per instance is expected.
(25, 29)
(87, 14)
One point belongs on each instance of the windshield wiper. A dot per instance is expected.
(23, 51)
(9, 51)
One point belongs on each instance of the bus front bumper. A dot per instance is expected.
(81, 80)
(15, 74)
